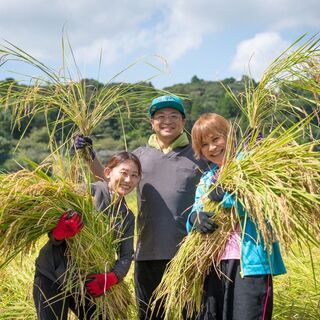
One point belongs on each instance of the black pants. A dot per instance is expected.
(147, 277)
(50, 305)
(236, 298)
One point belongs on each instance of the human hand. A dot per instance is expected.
(98, 283)
(69, 224)
(81, 142)
(217, 194)
(202, 222)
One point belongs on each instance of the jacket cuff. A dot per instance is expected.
(54, 241)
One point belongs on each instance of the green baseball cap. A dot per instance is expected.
(166, 102)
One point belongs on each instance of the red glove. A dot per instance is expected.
(68, 226)
(99, 283)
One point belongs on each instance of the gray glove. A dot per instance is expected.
(81, 141)
(202, 222)
(217, 194)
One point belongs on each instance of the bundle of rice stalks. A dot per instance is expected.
(278, 182)
(80, 105)
(32, 203)
(94, 251)
(28, 197)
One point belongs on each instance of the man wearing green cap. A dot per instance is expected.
(165, 195)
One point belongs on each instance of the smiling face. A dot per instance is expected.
(168, 124)
(213, 148)
(209, 137)
(123, 178)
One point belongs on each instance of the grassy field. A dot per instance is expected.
(297, 294)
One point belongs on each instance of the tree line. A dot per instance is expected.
(129, 131)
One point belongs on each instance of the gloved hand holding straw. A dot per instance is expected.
(83, 143)
(202, 222)
(98, 283)
(69, 224)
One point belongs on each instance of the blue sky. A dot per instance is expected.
(208, 38)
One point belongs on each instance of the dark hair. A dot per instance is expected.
(123, 156)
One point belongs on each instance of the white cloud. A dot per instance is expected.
(183, 28)
(37, 25)
(112, 48)
(255, 54)
(187, 23)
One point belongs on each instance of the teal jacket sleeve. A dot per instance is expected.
(229, 201)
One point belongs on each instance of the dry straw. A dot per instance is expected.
(276, 179)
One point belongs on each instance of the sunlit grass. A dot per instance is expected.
(297, 293)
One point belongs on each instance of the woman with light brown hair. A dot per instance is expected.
(245, 290)
(122, 174)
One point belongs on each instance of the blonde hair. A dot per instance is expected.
(208, 124)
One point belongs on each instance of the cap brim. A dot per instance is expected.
(166, 104)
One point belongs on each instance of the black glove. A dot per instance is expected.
(81, 141)
(217, 194)
(202, 222)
